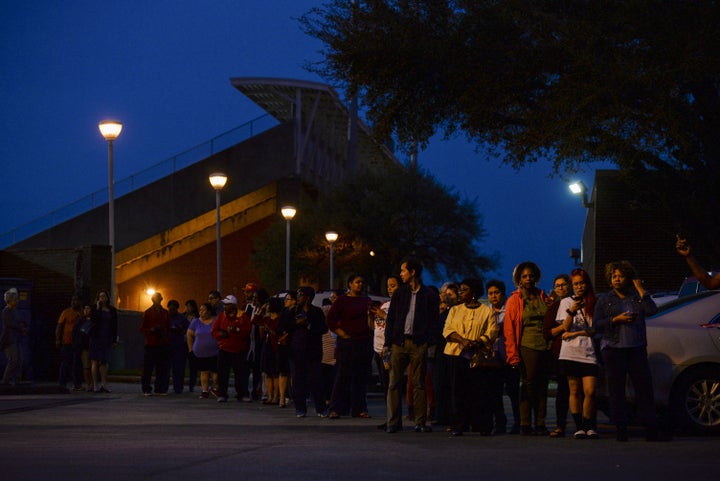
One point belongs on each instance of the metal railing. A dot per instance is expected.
(140, 179)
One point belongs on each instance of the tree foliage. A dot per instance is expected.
(393, 214)
(636, 83)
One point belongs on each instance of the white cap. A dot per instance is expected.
(230, 300)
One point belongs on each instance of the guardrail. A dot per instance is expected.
(140, 179)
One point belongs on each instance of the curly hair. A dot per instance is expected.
(517, 272)
(624, 267)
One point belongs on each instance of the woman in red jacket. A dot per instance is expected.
(527, 349)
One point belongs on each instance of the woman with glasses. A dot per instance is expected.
(578, 359)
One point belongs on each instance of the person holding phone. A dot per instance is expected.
(578, 361)
(620, 319)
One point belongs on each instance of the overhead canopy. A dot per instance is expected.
(322, 115)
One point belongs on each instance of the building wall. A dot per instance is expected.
(55, 275)
(619, 227)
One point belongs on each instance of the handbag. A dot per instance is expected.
(485, 359)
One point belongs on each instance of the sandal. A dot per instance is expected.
(557, 433)
(363, 415)
(333, 415)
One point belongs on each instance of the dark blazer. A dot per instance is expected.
(426, 325)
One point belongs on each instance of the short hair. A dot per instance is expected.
(193, 305)
(517, 272)
(208, 307)
(308, 291)
(262, 295)
(11, 294)
(625, 267)
(352, 277)
(413, 264)
(215, 294)
(451, 286)
(497, 283)
(475, 285)
(275, 304)
(173, 302)
(292, 295)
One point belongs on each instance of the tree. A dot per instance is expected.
(393, 214)
(636, 83)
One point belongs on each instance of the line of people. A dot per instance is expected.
(449, 355)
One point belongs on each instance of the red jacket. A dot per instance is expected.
(156, 326)
(232, 333)
(512, 326)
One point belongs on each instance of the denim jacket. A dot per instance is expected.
(622, 335)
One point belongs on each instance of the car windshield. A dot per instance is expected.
(681, 301)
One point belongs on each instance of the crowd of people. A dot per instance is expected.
(449, 355)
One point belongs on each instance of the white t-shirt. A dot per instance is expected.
(379, 337)
(580, 348)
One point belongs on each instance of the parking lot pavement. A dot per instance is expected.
(126, 436)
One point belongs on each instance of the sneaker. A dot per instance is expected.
(146, 394)
(323, 414)
(592, 434)
(245, 399)
(221, 399)
(300, 414)
(161, 394)
(204, 395)
(580, 434)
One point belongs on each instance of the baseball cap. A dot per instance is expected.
(230, 300)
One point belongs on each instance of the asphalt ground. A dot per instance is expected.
(126, 436)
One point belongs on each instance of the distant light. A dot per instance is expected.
(150, 292)
(331, 236)
(577, 187)
(372, 253)
(218, 180)
(288, 212)
(110, 129)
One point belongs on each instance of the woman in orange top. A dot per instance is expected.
(527, 349)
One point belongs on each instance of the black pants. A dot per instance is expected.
(156, 358)
(472, 391)
(237, 361)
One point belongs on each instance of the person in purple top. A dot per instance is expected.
(204, 347)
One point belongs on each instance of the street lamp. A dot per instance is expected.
(217, 181)
(288, 212)
(110, 130)
(331, 237)
(578, 188)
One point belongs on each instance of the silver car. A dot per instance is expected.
(684, 356)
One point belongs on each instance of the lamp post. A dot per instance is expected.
(578, 188)
(110, 130)
(288, 212)
(331, 237)
(217, 181)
